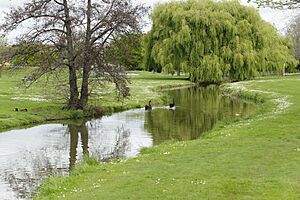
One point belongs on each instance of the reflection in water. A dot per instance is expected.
(119, 147)
(74, 131)
(29, 155)
(122, 144)
(198, 109)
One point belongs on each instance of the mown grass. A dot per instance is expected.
(253, 159)
(45, 99)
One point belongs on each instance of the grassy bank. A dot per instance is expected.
(254, 159)
(45, 100)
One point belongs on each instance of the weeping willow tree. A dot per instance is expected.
(214, 41)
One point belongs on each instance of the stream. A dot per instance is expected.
(29, 155)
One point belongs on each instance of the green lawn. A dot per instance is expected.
(254, 159)
(45, 99)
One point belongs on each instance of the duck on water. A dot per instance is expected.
(172, 105)
(148, 107)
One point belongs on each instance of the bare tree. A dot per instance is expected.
(293, 31)
(74, 35)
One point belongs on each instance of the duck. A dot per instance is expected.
(172, 105)
(148, 107)
(21, 110)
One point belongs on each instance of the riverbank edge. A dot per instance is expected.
(33, 119)
(271, 105)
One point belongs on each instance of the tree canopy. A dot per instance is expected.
(126, 50)
(214, 41)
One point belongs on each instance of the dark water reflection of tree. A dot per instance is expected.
(75, 130)
(198, 109)
(118, 150)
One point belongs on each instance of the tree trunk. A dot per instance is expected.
(87, 60)
(73, 100)
(178, 68)
(84, 96)
(178, 72)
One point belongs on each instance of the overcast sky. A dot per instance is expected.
(279, 19)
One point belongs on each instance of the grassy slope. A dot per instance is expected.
(254, 159)
(40, 111)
